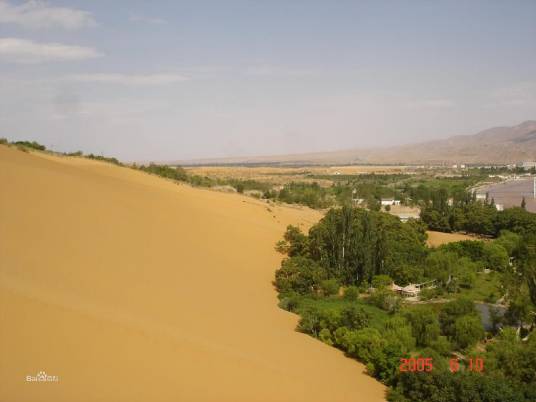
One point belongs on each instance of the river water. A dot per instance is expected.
(511, 193)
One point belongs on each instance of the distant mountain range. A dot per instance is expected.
(500, 145)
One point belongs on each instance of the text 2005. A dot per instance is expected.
(419, 364)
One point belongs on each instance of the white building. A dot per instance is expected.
(389, 201)
(481, 196)
(499, 207)
(527, 165)
(404, 217)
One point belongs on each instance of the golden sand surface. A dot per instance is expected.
(438, 238)
(128, 287)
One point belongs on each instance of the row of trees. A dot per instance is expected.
(174, 173)
(354, 245)
(467, 214)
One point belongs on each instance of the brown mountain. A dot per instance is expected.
(496, 145)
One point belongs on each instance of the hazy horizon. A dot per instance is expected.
(188, 80)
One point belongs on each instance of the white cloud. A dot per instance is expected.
(129, 79)
(149, 20)
(26, 51)
(40, 15)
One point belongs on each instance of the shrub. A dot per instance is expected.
(468, 330)
(174, 173)
(354, 317)
(296, 243)
(381, 281)
(299, 274)
(429, 293)
(495, 256)
(442, 346)
(314, 320)
(282, 247)
(398, 331)
(440, 265)
(364, 344)
(289, 302)
(509, 241)
(385, 362)
(386, 300)
(30, 144)
(339, 337)
(351, 293)
(3, 141)
(325, 336)
(329, 287)
(466, 275)
(424, 324)
(453, 310)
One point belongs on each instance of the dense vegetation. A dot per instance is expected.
(412, 190)
(177, 173)
(337, 277)
(467, 214)
(31, 145)
(24, 145)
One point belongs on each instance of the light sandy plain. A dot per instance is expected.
(131, 288)
(286, 174)
(436, 239)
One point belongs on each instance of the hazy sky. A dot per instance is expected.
(162, 80)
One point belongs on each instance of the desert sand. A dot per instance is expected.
(127, 287)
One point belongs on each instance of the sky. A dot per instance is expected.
(176, 80)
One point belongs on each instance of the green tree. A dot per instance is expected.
(297, 243)
(468, 330)
(330, 287)
(451, 311)
(397, 330)
(424, 324)
(441, 265)
(496, 256)
(299, 274)
(381, 281)
(351, 293)
(510, 241)
(354, 317)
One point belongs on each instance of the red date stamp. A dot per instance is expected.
(426, 364)
(416, 364)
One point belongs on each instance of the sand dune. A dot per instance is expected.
(131, 288)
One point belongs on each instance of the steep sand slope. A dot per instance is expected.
(131, 288)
